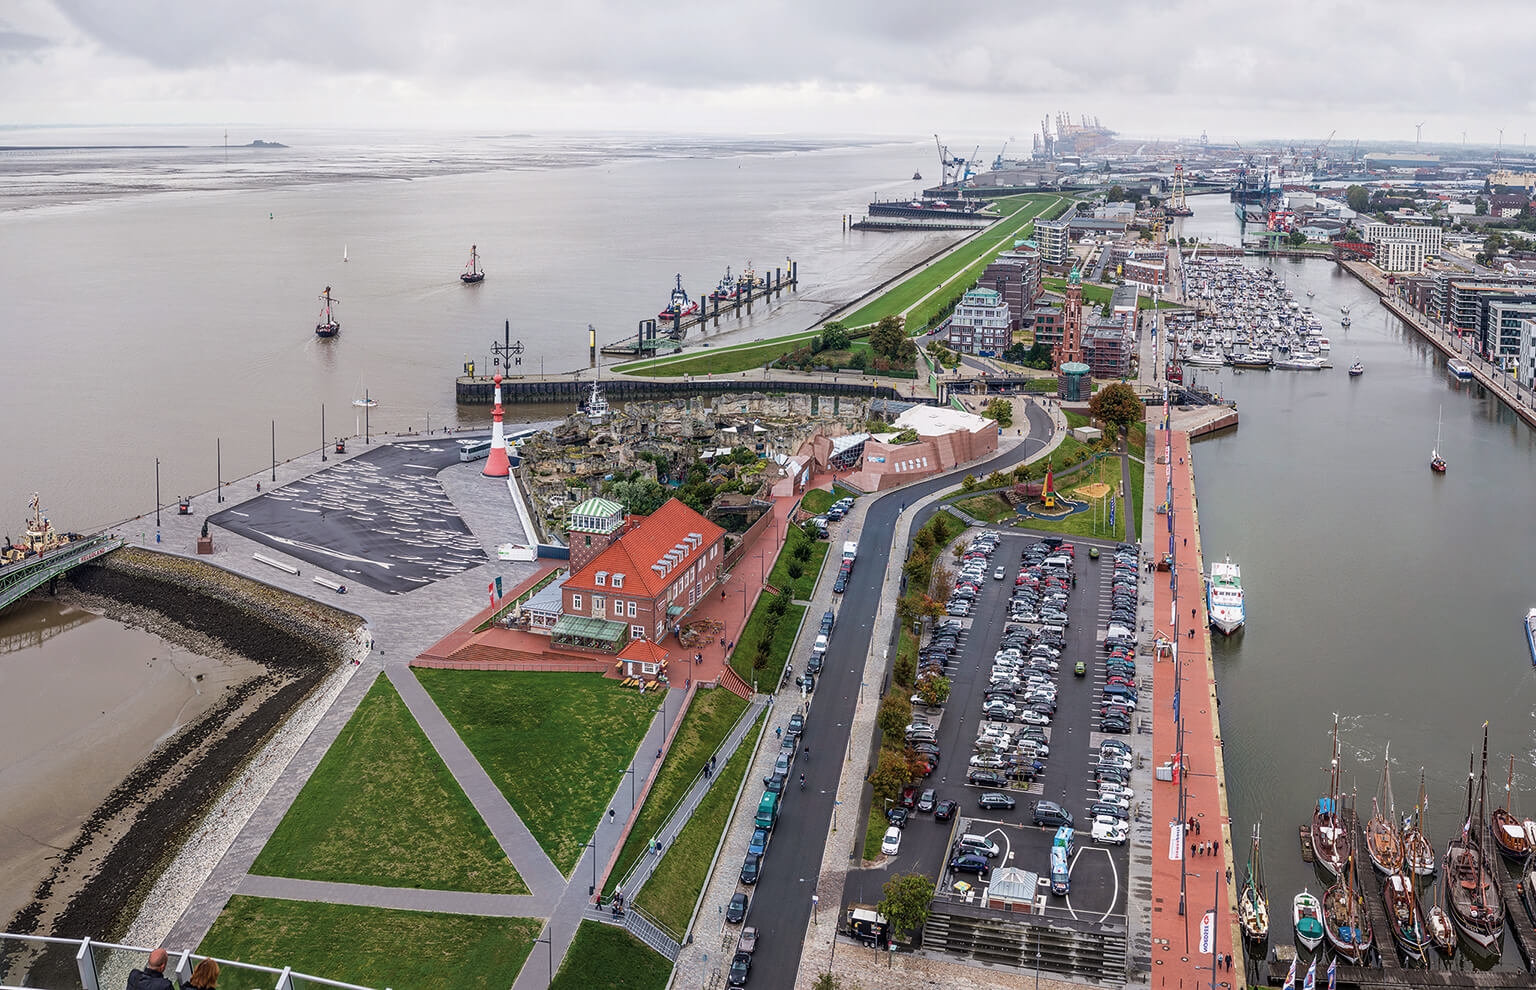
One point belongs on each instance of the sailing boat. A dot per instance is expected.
(1418, 854)
(344, 254)
(1404, 916)
(1471, 887)
(1510, 834)
(472, 272)
(1253, 902)
(1436, 462)
(1441, 931)
(1307, 918)
(1381, 841)
(1330, 840)
(1345, 921)
(328, 326)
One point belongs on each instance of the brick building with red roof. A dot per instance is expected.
(633, 577)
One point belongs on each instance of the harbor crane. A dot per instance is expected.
(997, 163)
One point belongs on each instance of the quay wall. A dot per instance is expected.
(98, 883)
(1447, 343)
(479, 390)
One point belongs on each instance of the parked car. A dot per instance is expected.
(1110, 830)
(891, 844)
(995, 800)
(1052, 814)
(970, 863)
(751, 868)
(741, 967)
(736, 910)
(897, 816)
(758, 844)
(945, 810)
(796, 724)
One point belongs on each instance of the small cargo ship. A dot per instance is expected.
(1224, 596)
(328, 326)
(679, 305)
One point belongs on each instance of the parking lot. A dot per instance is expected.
(1066, 774)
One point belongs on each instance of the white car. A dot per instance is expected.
(1031, 717)
(1115, 798)
(1110, 830)
(1000, 574)
(891, 844)
(1125, 705)
(1109, 789)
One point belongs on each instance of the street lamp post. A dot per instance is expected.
(631, 773)
(549, 940)
(593, 889)
(274, 450)
(157, 493)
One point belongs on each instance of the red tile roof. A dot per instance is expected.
(646, 543)
(643, 651)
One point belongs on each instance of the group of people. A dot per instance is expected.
(205, 976)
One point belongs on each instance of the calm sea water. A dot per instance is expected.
(1374, 589)
(160, 300)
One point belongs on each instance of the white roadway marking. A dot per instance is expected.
(1115, 894)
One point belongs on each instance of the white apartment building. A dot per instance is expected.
(1395, 254)
(1431, 237)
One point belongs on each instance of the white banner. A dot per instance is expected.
(1208, 933)
(1176, 841)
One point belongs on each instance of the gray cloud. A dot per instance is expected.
(19, 41)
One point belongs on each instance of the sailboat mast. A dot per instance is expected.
(1508, 784)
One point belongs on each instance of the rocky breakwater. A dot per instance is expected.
(100, 881)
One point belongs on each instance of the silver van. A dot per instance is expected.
(970, 843)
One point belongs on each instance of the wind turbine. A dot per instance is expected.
(1500, 150)
(1418, 133)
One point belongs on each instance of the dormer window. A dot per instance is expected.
(601, 578)
(618, 580)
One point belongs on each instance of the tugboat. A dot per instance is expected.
(679, 305)
(726, 290)
(41, 536)
(472, 272)
(917, 177)
(328, 326)
(595, 408)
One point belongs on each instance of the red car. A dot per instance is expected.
(909, 796)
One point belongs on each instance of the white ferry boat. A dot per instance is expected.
(1224, 596)
(1459, 368)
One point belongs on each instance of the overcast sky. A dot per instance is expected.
(1300, 68)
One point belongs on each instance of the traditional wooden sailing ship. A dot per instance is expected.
(1381, 840)
(1404, 916)
(1418, 853)
(1331, 845)
(1253, 902)
(1471, 884)
(1510, 834)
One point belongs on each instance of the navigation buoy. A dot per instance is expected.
(497, 465)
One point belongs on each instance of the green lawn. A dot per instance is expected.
(1019, 211)
(557, 744)
(375, 947)
(987, 508)
(717, 360)
(1098, 295)
(810, 568)
(609, 957)
(818, 500)
(382, 809)
(704, 727)
(673, 890)
(874, 829)
(783, 641)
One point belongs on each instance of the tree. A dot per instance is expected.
(794, 569)
(1117, 406)
(1297, 238)
(834, 981)
(905, 904)
(1358, 198)
(890, 776)
(810, 530)
(887, 337)
(641, 496)
(1116, 193)
(1000, 410)
(1480, 206)
(835, 337)
(904, 670)
(802, 551)
(933, 690)
(895, 713)
(969, 484)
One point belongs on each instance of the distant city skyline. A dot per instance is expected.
(1372, 71)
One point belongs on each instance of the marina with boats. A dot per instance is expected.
(1247, 318)
(732, 296)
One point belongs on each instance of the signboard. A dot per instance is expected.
(1208, 933)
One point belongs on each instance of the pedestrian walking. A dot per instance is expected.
(1229, 874)
(610, 816)
(658, 752)
(778, 732)
(1197, 826)
(1229, 964)
(1218, 960)
(1192, 850)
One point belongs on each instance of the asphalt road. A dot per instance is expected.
(380, 519)
(1097, 873)
(781, 900)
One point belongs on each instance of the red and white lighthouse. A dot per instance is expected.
(497, 465)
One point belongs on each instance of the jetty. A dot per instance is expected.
(477, 390)
(20, 578)
(656, 336)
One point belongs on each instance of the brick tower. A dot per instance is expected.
(1071, 347)
(594, 525)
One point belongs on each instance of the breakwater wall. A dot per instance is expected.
(479, 390)
(114, 862)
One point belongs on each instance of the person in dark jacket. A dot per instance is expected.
(152, 976)
(204, 977)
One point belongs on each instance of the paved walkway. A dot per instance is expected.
(1187, 881)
